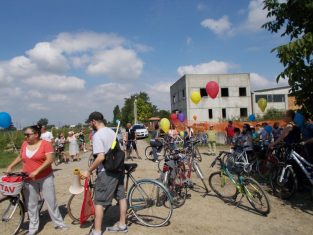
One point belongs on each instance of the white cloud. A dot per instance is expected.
(159, 94)
(37, 106)
(84, 41)
(189, 41)
(56, 82)
(48, 58)
(49, 74)
(201, 6)
(118, 64)
(212, 67)
(142, 47)
(256, 16)
(260, 82)
(58, 98)
(220, 26)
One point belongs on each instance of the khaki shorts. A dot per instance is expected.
(108, 186)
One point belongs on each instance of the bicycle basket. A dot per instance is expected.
(11, 186)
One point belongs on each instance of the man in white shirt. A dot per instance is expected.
(109, 185)
(46, 135)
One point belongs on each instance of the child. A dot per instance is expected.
(212, 140)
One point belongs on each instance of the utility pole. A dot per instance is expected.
(135, 110)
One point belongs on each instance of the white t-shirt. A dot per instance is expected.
(46, 136)
(102, 141)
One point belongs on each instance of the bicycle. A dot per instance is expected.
(58, 159)
(148, 200)
(283, 178)
(12, 205)
(228, 186)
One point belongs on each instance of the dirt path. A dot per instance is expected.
(199, 215)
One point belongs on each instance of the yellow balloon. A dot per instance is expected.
(195, 97)
(262, 103)
(182, 134)
(165, 124)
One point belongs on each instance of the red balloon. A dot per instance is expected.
(212, 89)
(173, 116)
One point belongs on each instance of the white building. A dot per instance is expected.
(276, 98)
(232, 102)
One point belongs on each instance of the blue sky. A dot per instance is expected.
(63, 59)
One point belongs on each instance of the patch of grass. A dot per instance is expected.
(6, 158)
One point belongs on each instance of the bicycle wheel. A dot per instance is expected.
(56, 159)
(161, 164)
(177, 189)
(90, 160)
(284, 186)
(150, 202)
(256, 196)
(222, 185)
(12, 215)
(149, 153)
(198, 154)
(74, 206)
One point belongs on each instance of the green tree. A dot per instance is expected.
(294, 18)
(116, 114)
(43, 121)
(144, 108)
(162, 113)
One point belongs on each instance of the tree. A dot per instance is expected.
(144, 108)
(294, 19)
(116, 114)
(162, 113)
(43, 122)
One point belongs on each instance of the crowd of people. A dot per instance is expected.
(37, 156)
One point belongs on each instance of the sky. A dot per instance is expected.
(61, 60)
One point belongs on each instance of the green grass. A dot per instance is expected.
(6, 158)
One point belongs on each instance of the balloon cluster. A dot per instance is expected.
(5, 120)
(212, 89)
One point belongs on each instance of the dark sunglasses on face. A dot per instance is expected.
(28, 134)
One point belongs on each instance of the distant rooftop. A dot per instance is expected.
(272, 89)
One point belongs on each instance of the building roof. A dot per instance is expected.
(272, 89)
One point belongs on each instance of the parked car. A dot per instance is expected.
(141, 130)
(119, 135)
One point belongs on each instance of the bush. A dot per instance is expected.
(273, 114)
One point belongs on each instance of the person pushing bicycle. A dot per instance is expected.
(109, 185)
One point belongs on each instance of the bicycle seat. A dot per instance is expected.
(130, 167)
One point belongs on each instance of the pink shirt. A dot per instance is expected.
(30, 164)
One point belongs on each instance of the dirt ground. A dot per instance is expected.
(199, 215)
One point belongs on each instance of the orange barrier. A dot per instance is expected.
(199, 127)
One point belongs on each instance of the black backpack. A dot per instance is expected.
(114, 159)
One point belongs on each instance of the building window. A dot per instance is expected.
(210, 113)
(183, 94)
(243, 112)
(224, 113)
(224, 92)
(278, 98)
(257, 97)
(174, 99)
(203, 92)
(242, 91)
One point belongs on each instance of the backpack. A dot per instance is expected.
(114, 159)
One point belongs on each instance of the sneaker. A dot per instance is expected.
(118, 228)
(93, 232)
(61, 227)
(31, 233)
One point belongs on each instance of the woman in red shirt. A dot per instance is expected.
(37, 157)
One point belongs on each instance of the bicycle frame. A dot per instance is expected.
(299, 160)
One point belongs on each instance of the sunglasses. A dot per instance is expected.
(28, 134)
